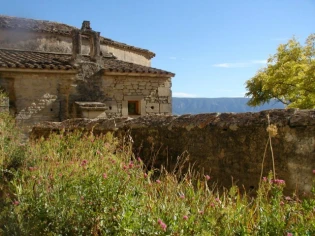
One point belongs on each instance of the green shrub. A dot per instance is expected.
(79, 184)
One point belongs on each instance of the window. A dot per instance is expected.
(133, 108)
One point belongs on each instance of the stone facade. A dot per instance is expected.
(228, 147)
(56, 72)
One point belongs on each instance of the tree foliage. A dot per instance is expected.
(289, 76)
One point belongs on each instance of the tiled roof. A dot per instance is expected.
(18, 23)
(12, 58)
(34, 60)
(111, 65)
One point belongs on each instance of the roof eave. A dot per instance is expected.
(28, 70)
(164, 75)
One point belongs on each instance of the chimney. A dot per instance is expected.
(76, 44)
(94, 41)
(94, 38)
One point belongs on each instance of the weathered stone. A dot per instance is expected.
(221, 145)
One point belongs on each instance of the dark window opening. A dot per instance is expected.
(133, 108)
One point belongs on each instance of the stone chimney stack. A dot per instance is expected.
(94, 41)
(76, 44)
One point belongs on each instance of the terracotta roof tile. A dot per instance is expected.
(12, 58)
(18, 23)
(34, 60)
(111, 65)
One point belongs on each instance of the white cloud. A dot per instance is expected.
(183, 95)
(172, 58)
(240, 64)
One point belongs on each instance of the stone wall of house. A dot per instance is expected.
(36, 97)
(126, 55)
(228, 147)
(153, 93)
(61, 44)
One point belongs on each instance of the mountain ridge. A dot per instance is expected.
(224, 104)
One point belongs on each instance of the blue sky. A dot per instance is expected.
(212, 46)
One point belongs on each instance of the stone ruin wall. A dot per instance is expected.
(222, 145)
(61, 44)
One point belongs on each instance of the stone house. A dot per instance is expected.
(53, 72)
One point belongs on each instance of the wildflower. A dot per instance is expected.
(31, 168)
(145, 175)
(162, 224)
(84, 163)
(16, 203)
(207, 177)
(158, 181)
(289, 234)
(314, 172)
(201, 212)
(265, 179)
(130, 164)
(104, 176)
(281, 203)
(182, 196)
(185, 217)
(279, 181)
(125, 167)
(139, 159)
(212, 204)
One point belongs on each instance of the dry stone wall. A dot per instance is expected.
(228, 147)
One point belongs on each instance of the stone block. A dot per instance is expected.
(164, 92)
(167, 108)
(152, 107)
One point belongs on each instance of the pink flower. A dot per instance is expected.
(162, 224)
(84, 163)
(281, 203)
(130, 164)
(139, 159)
(182, 196)
(158, 181)
(265, 179)
(31, 168)
(289, 234)
(185, 217)
(145, 175)
(201, 212)
(314, 172)
(104, 176)
(16, 203)
(279, 181)
(207, 177)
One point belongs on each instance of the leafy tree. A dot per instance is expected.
(289, 76)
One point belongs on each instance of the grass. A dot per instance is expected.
(79, 184)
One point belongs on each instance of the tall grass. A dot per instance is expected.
(79, 184)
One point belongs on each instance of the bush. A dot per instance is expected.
(79, 184)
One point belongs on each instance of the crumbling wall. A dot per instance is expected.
(228, 147)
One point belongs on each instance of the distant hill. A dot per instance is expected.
(208, 105)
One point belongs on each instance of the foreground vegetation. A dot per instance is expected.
(79, 184)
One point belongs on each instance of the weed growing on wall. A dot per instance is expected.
(79, 184)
